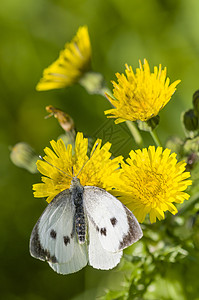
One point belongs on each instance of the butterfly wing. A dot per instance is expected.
(76, 263)
(100, 258)
(54, 239)
(115, 225)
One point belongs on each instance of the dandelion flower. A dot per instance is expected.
(151, 181)
(140, 96)
(73, 62)
(99, 170)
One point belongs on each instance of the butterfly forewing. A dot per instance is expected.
(52, 238)
(116, 226)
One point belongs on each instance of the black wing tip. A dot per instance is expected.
(36, 249)
(134, 233)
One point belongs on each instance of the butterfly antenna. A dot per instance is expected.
(88, 159)
(54, 166)
(73, 171)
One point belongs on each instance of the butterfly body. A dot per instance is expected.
(83, 225)
(77, 191)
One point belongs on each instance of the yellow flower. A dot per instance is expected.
(140, 96)
(100, 170)
(151, 181)
(73, 62)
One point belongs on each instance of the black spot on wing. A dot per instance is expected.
(134, 231)
(113, 221)
(103, 231)
(66, 240)
(36, 248)
(53, 234)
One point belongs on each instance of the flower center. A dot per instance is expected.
(152, 188)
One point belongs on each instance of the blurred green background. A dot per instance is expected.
(32, 34)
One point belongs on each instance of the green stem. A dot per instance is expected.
(135, 133)
(155, 137)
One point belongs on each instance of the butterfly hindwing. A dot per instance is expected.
(116, 226)
(54, 239)
(100, 258)
(76, 263)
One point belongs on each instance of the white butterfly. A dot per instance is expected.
(83, 225)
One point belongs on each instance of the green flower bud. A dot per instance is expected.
(23, 156)
(149, 125)
(190, 120)
(93, 83)
(196, 102)
(175, 144)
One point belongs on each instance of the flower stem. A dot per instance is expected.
(155, 138)
(135, 133)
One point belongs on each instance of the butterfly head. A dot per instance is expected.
(75, 182)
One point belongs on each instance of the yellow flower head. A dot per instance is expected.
(140, 96)
(99, 170)
(73, 62)
(151, 181)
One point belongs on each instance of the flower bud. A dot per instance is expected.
(196, 102)
(149, 125)
(190, 120)
(23, 156)
(93, 83)
(175, 144)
